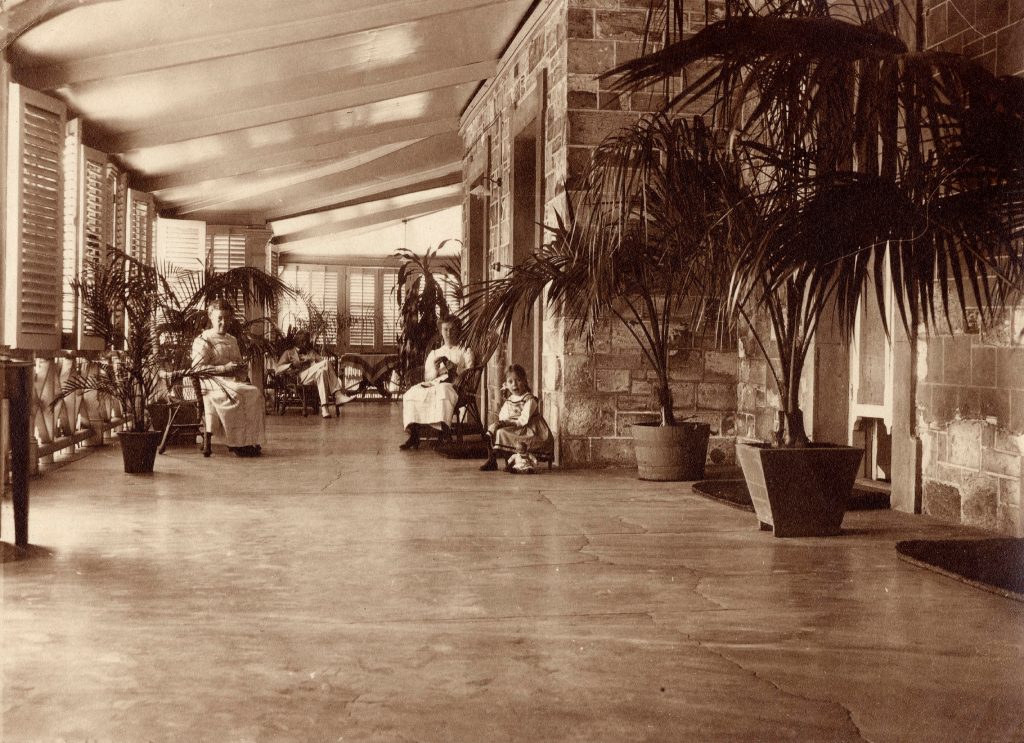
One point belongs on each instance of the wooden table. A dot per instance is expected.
(16, 377)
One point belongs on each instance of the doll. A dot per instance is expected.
(522, 462)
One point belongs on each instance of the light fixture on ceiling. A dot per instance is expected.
(485, 186)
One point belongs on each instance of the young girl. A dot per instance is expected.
(519, 421)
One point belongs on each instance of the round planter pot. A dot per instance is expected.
(799, 492)
(671, 453)
(138, 450)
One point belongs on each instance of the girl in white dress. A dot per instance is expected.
(519, 422)
(233, 408)
(432, 402)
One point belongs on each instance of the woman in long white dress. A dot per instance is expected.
(432, 402)
(234, 408)
(313, 370)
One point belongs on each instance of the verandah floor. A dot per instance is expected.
(338, 589)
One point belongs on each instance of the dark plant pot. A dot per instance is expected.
(139, 450)
(800, 492)
(670, 453)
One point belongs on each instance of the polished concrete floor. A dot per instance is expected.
(340, 590)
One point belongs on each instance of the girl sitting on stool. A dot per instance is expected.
(519, 422)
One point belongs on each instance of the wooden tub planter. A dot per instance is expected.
(671, 453)
(800, 492)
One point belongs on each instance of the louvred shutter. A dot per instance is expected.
(34, 240)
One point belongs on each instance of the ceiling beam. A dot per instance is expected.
(249, 161)
(298, 224)
(244, 41)
(246, 188)
(369, 190)
(180, 131)
(452, 178)
(441, 149)
(367, 220)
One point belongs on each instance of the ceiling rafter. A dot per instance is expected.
(413, 179)
(341, 214)
(199, 49)
(433, 150)
(377, 218)
(451, 178)
(179, 131)
(245, 161)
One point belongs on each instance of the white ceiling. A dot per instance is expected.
(320, 116)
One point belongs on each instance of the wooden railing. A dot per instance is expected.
(80, 419)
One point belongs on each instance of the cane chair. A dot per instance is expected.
(186, 414)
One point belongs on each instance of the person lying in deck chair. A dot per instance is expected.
(314, 370)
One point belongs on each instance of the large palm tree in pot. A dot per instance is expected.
(870, 164)
(636, 245)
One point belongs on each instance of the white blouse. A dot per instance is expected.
(461, 356)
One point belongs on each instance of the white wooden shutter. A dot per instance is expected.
(180, 243)
(392, 310)
(141, 211)
(362, 307)
(95, 205)
(69, 268)
(117, 184)
(34, 240)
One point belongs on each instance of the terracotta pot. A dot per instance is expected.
(670, 453)
(800, 492)
(138, 450)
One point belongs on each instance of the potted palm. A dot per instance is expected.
(423, 303)
(635, 246)
(868, 164)
(119, 300)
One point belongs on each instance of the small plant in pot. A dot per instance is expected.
(636, 246)
(868, 165)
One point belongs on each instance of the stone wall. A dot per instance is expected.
(971, 378)
(591, 397)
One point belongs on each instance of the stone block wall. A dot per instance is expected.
(971, 377)
(591, 398)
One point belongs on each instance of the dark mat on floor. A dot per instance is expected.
(734, 493)
(995, 564)
(473, 448)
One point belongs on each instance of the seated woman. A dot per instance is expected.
(432, 402)
(519, 422)
(234, 408)
(312, 369)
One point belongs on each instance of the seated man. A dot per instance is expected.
(234, 408)
(313, 370)
(519, 422)
(432, 402)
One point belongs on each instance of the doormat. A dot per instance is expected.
(995, 564)
(734, 493)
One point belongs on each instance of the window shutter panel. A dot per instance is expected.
(180, 243)
(392, 310)
(69, 268)
(362, 306)
(34, 239)
(119, 217)
(95, 202)
(138, 240)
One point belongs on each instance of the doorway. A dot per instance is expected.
(526, 339)
(871, 386)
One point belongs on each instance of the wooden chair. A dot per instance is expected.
(289, 391)
(466, 408)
